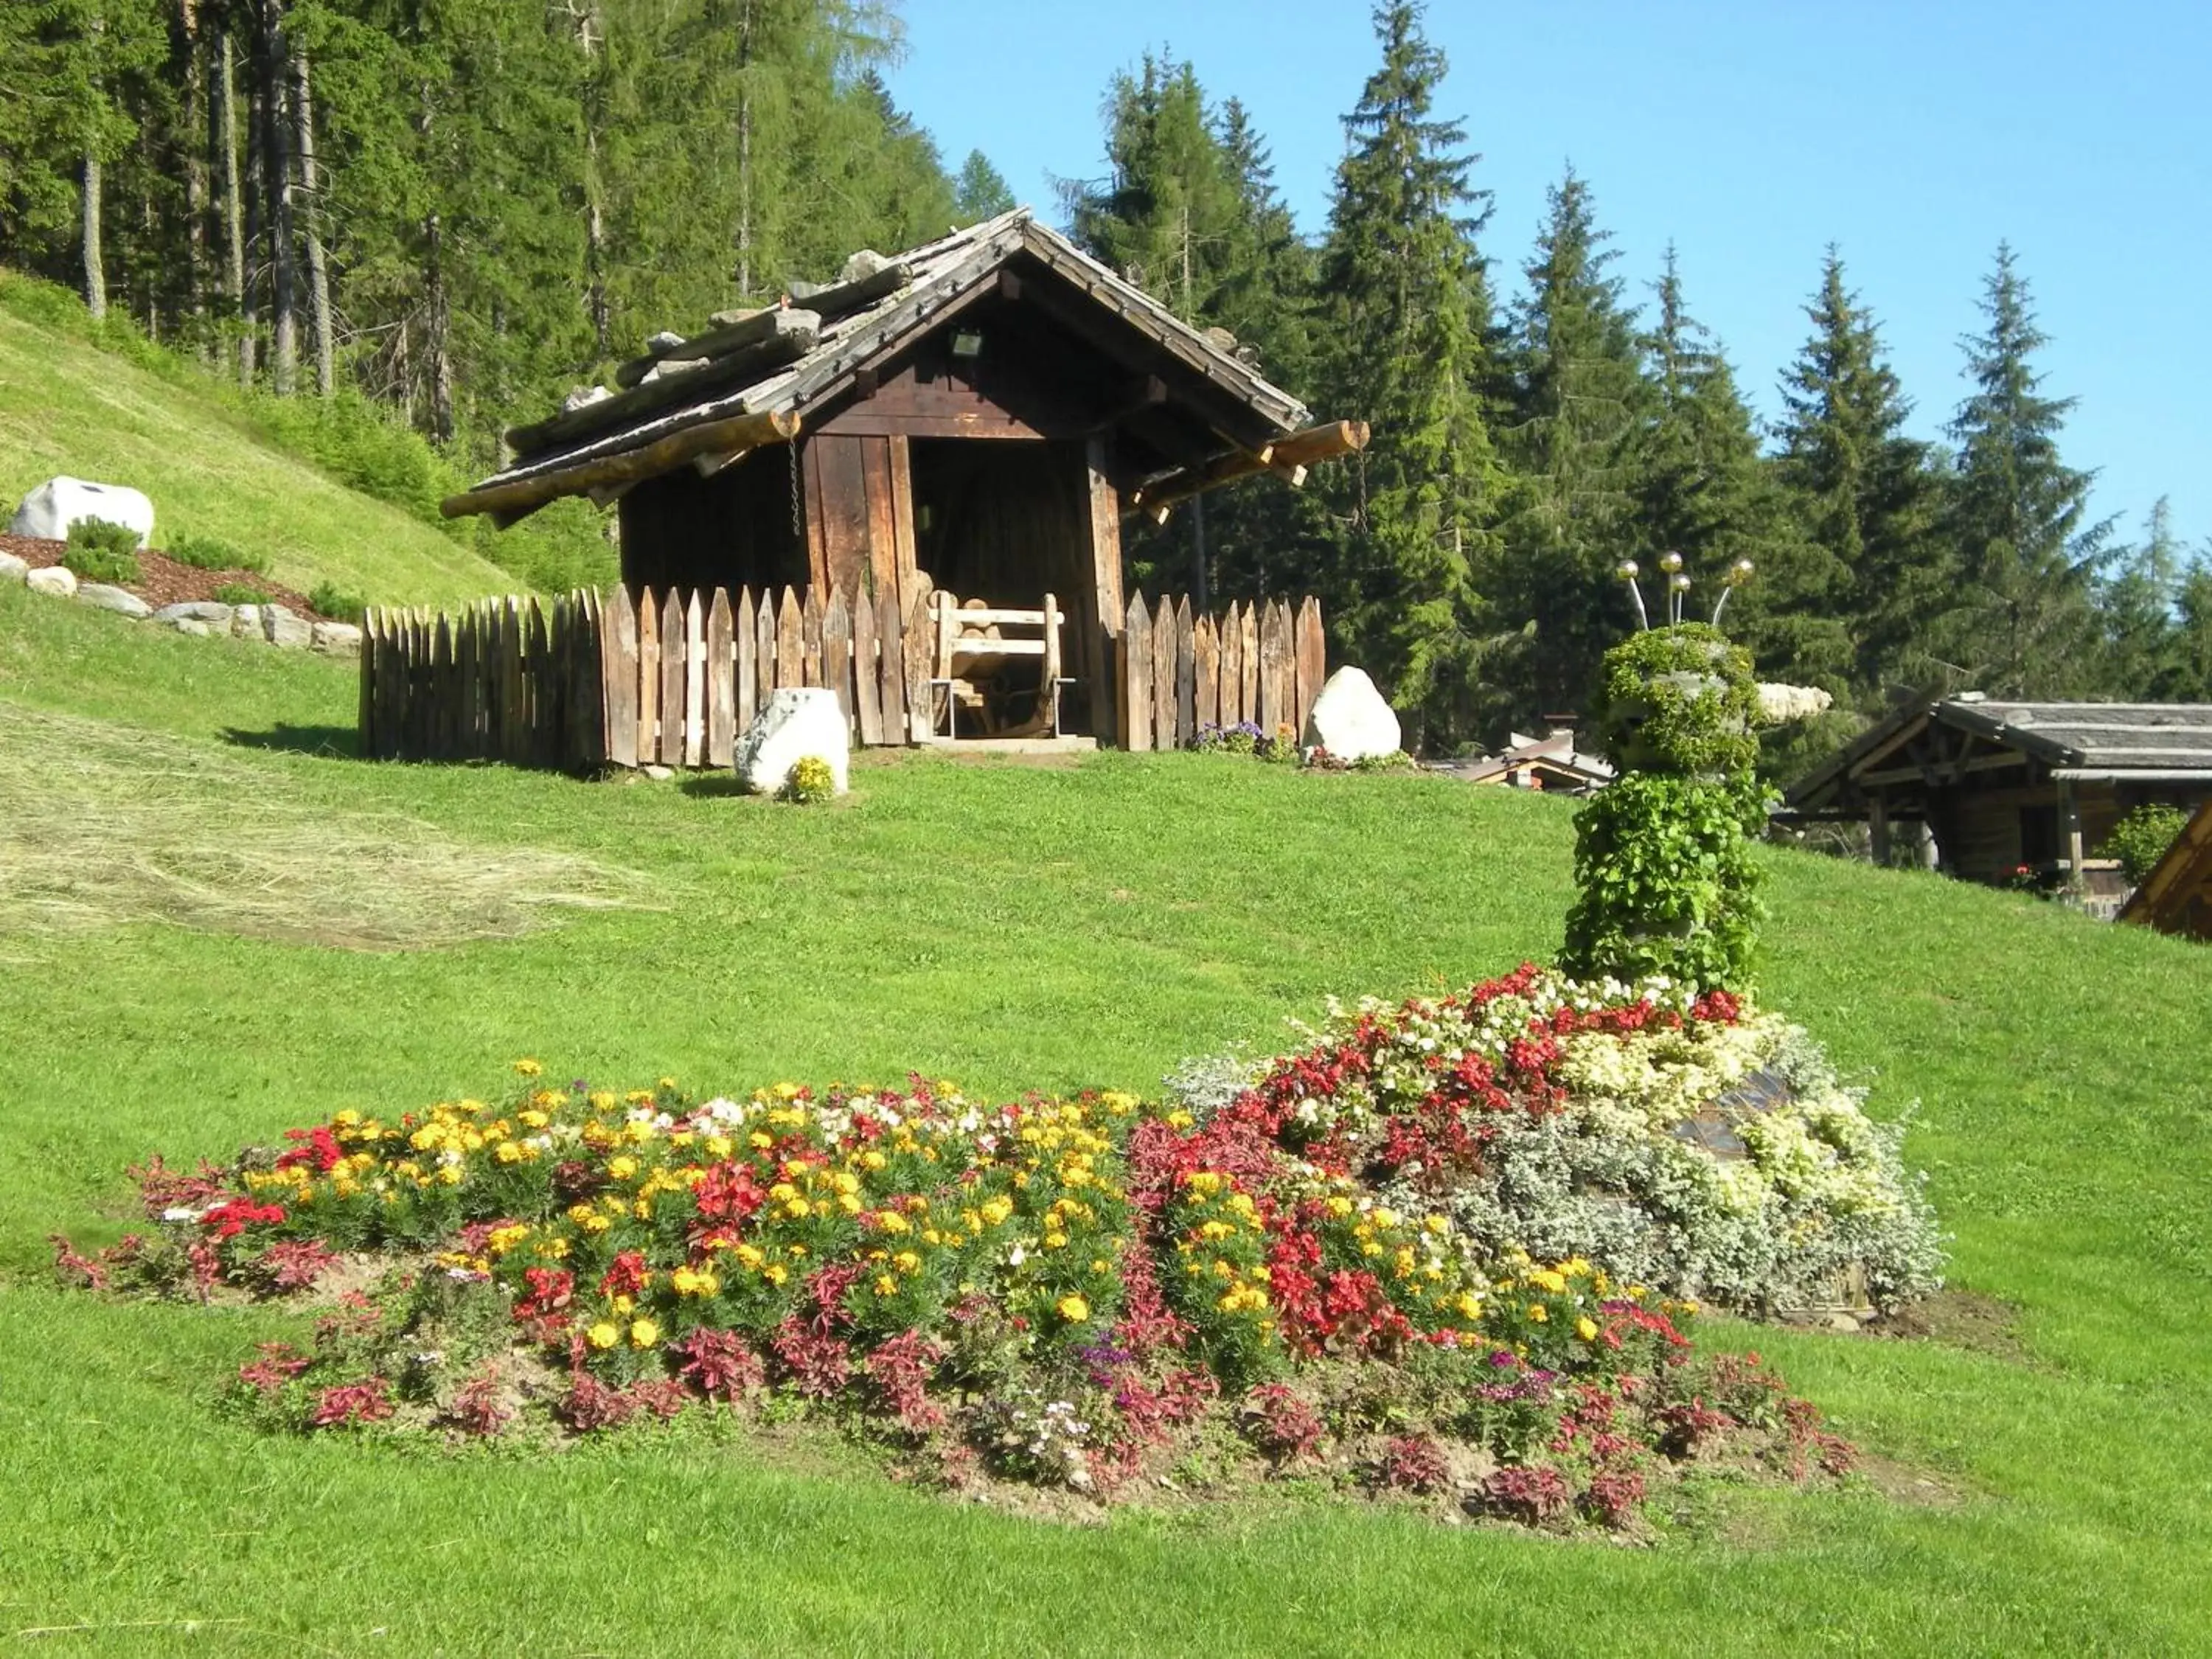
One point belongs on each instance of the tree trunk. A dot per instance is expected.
(270, 61)
(438, 335)
(196, 132)
(95, 279)
(222, 116)
(745, 152)
(318, 275)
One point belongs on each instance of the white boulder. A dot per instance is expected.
(796, 723)
(1779, 705)
(13, 569)
(1350, 719)
(206, 613)
(55, 505)
(55, 579)
(246, 622)
(337, 638)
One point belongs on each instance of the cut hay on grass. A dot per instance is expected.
(102, 825)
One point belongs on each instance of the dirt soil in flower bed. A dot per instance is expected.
(162, 581)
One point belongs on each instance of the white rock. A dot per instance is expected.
(337, 639)
(246, 622)
(57, 580)
(282, 627)
(13, 569)
(55, 505)
(206, 613)
(120, 600)
(1779, 705)
(795, 723)
(1349, 718)
(198, 630)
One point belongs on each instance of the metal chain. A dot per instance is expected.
(798, 524)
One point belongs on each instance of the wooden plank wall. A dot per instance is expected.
(1176, 673)
(592, 680)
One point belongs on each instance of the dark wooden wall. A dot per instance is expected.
(730, 530)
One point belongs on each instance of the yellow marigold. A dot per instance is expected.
(892, 1221)
(602, 1335)
(872, 1160)
(1073, 1308)
(886, 1286)
(720, 1146)
(694, 1282)
(528, 1068)
(775, 1273)
(643, 1333)
(622, 1169)
(1539, 1312)
(1055, 1241)
(450, 1174)
(533, 1119)
(508, 1152)
(1340, 1205)
(1469, 1305)
(1586, 1329)
(994, 1211)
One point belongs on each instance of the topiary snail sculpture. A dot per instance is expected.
(1666, 884)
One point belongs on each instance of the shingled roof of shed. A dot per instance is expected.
(2085, 741)
(902, 295)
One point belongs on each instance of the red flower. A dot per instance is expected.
(367, 1402)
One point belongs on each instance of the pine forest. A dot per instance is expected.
(427, 219)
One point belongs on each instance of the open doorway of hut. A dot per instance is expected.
(1002, 522)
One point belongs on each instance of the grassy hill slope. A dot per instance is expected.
(67, 406)
(1012, 927)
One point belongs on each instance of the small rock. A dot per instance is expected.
(796, 723)
(120, 600)
(864, 264)
(337, 638)
(198, 610)
(1350, 719)
(57, 580)
(1842, 1322)
(246, 622)
(584, 397)
(664, 342)
(193, 626)
(13, 569)
(281, 627)
(659, 773)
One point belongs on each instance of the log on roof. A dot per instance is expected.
(876, 308)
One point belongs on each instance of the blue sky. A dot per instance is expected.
(1915, 134)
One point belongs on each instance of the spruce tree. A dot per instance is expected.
(1580, 407)
(1704, 490)
(1864, 495)
(981, 191)
(2137, 610)
(2025, 627)
(1400, 343)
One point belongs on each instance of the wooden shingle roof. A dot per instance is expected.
(2105, 741)
(755, 377)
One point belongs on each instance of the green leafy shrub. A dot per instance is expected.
(811, 783)
(213, 553)
(2139, 840)
(100, 551)
(1666, 883)
(239, 593)
(327, 600)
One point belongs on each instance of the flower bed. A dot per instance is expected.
(1090, 1293)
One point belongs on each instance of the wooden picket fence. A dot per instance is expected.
(591, 680)
(1176, 673)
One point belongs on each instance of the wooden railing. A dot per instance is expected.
(588, 679)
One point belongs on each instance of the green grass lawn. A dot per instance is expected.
(68, 407)
(1014, 927)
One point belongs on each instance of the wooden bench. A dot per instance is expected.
(974, 649)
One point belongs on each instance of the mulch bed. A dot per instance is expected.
(162, 581)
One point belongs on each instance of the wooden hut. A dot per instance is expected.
(974, 416)
(2175, 896)
(2004, 785)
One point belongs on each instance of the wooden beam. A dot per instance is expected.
(1287, 457)
(734, 435)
